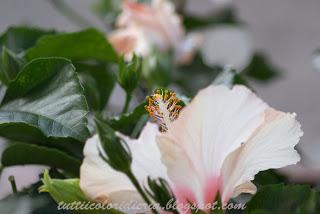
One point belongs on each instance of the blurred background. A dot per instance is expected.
(288, 31)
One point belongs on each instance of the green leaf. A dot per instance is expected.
(10, 65)
(98, 83)
(19, 38)
(91, 54)
(269, 177)
(279, 199)
(45, 100)
(226, 16)
(23, 153)
(84, 45)
(261, 69)
(127, 123)
(260, 212)
(68, 191)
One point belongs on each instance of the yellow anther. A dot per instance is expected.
(163, 106)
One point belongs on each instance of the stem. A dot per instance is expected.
(127, 102)
(70, 13)
(13, 184)
(139, 189)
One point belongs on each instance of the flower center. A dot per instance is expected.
(163, 106)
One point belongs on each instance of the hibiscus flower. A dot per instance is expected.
(213, 148)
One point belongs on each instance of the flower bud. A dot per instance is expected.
(129, 73)
(114, 150)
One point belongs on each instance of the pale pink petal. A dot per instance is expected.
(271, 146)
(161, 25)
(213, 125)
(146, 155)
(97, 179)
(247, 187)
(169, 21)
(129, 41)
(186, 180)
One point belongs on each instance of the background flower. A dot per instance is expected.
(154, 25)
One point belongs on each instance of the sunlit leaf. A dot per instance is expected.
(84, 45)
(45, 101)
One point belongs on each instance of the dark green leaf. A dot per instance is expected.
(98, 83)
(261, 69)
(269, 177)
(85, 45)
(23, 153)
(126, 123)
(260, 212)
(116, 151)
(46, 99)
(90, 52)
(279, 199)
(226, 16)
(10, 65)
(21, 38)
